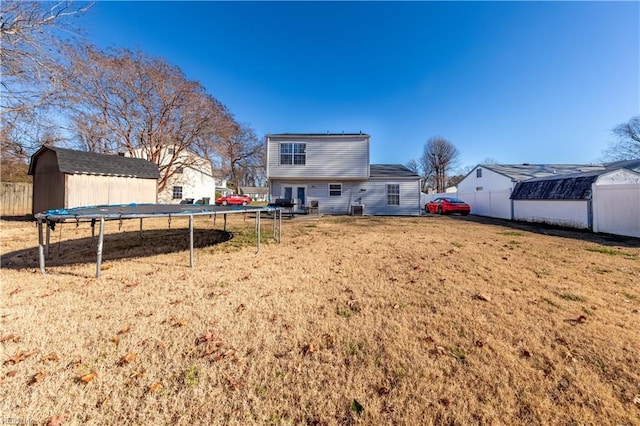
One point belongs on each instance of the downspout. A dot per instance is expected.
(511, 199)
(590, 209)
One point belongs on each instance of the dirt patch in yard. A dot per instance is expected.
(372, 320)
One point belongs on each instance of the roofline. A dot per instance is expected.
(316, 135)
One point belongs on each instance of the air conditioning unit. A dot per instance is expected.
(357, 209)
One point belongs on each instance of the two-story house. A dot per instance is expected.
(332, 172)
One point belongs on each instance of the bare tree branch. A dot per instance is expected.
(627, 145)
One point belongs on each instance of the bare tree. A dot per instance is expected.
(242, 155)
(129, 102)
(627, 146)
(438, 158)
(32, 34)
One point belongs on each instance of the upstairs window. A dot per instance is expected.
(478, 173)
(293, 153)
(393, 195)
(335, 190)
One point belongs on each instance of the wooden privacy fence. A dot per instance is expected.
(16, 198)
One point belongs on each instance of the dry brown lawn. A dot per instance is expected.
(369, 320)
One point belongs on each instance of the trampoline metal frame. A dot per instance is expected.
(100, 214)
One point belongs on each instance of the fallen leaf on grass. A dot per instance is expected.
(154, 388)
(575, 321)
(57, 420)
(126, 359)
(106, 266)
(19, 356)
(176, 322)
(309, 349)
(482, 297)
(124, 330)
(75, 363)
(37, 377)
(11, 373)
(205, 338)
(240, 308)
(87, 377)
(51, 357)
(8, 337)
(116, 340)
(233, 383)
(16, 291)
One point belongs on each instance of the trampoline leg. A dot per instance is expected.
(140, 228)
(280, 225)
(40, 247)
(258, 228)
(191, 241)
(46, 247)
(225, 222)
(99, 252)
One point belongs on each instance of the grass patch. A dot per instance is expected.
(549, 302)
(572, 297)
(511, 233)
(459, 354)
(612, 252)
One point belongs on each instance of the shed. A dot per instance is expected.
(487, 188)
(606, 199)
(66, 178)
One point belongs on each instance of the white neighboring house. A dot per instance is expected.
(193, 179)
(331, 172)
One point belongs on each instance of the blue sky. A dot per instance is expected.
(536, 82)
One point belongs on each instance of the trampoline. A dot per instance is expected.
(99, 214)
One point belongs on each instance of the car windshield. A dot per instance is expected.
(454, 200)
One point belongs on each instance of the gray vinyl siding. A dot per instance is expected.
(346, 157)
(375, 198)
(371, 193)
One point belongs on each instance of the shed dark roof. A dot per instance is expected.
(83, 162)
(391, 170)
(575, 186)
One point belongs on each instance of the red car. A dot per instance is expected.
(444, 205)
(234, 199)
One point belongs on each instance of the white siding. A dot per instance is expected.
(326, 157)
(570, 213)
(91, 190)
(487, 195)
(195, 184)
(616, 209)
(372, 194)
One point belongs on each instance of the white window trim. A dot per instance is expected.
(329, 187)
(292, 154)
(398, 193)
